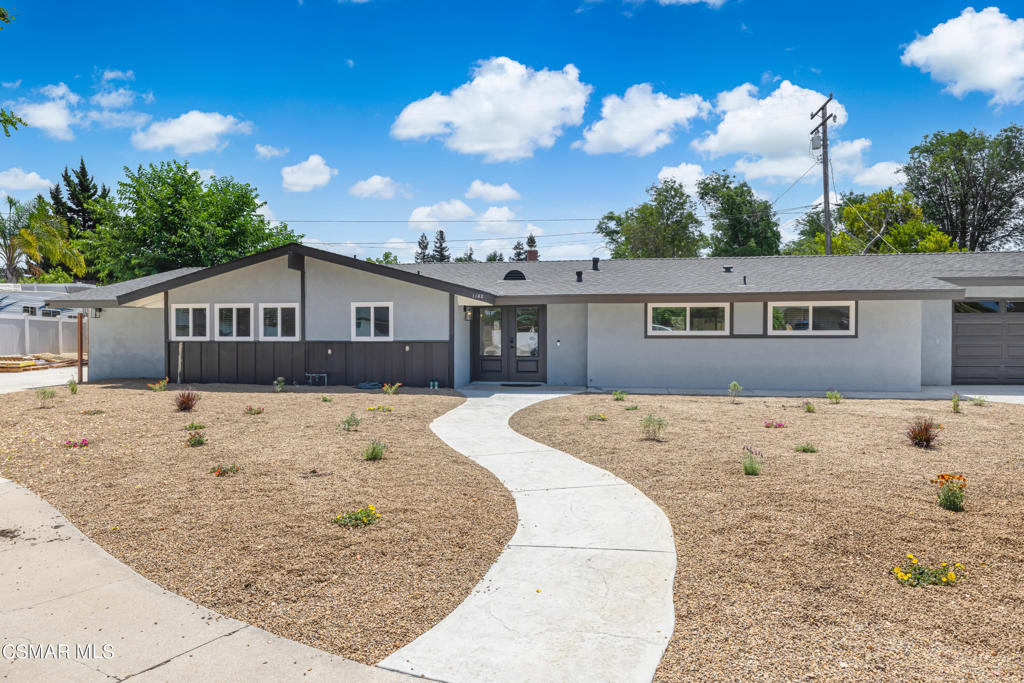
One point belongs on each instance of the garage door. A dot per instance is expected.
(988, 342)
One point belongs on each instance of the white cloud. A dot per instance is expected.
(478, 189)
(269, 151)
(307, 175)
(343, 248)
(405, 252)
(640, 122)
(496, 219)
(190, 133)
(771, 133)
(685, 174)
(17, 179)
(977, 51)
(53, 117)
(11, 84)
(60, 92)
(504, 113)
(376, 186)
(118, 75)
(572, 252)
(709, 3)
(426, 218)
(205, 173)
(119, 119)
(268, 214)
(882, 174)
(114, 99)
(350, 63)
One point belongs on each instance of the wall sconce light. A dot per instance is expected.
(97, 312)
(467, 312)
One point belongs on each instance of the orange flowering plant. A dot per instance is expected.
(951, 490)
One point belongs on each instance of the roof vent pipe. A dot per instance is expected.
(594, 262)
(727, 269)
(579, 276)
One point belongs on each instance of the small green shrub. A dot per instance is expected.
(186, 400)
(619, 395)
(734, 390)
(809, 407)
(72, 386)
(279, 384)
(652, 427)
(195, 439)
(253, 410)
(834, 396)
(194, 426)
(951, 491)
(46, 396)
(324, 398)
(93, 411)
(597, 417)
(225, 470)
(805, 448)
(351, 423)
(161, 385)
(979, 401)
(374, 450)
(633, 407)
(380, 409)
(391, 389)
(751, 463)
(956, 402)
(914, 574)
(361, 517)
(922, 432)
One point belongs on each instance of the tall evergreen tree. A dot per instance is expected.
(466, 257)
(422, 249)
(531, 241)
(76, 210)
(495, 256)
(518, 252)
(441, 253)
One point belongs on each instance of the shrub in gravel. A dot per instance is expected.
(72, 386)
(774, 424)
(597, 417)
(951, 491)
(186, 400)
(751, 461)
(922, 432)
(633, 407)
(979, 401)
(734, 390)
(619, 395)
(83, 443)
(361, 517)
(46, 396)
(914, 574)
(351, 423)
(194, 426)
(391, 389)
(324, 398)
(225, 470)
(956, 402)
(195, 439)
(374, 450)
(652, 426)
(809, 407)
(380, 409)
(279, 384)
(250, 410)
(93, 411)
(159, 386)
(806, 448)
(834, 396)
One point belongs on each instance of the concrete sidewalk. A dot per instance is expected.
(582, 592)
(20, 381)
(996, 393)
(61, 589)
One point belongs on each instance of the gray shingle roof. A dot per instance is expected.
(107, 295)
(765, 274)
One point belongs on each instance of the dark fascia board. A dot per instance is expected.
(859, 295)
(303, 250)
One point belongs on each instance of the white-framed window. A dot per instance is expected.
(687, 320)
(373, 321)
(279, 322)
(812, 318)
(190, 322)
(232, 322)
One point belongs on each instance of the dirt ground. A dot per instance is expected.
(261, 546)
(788, 575)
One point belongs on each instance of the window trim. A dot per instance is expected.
(173, 326)
(726, 332)
(390, 305)
(234, 323)
(298, 322)
(810, 331)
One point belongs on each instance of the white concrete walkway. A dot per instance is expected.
(20, 381)
(583, 591)
(998, 393)
(60, 588)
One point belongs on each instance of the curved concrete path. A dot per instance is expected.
(58, 587)
(582, 592)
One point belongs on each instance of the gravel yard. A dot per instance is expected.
(261, 545)
(788, 575)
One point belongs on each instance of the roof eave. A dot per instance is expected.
(834, 295)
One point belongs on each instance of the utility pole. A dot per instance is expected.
(823, 126)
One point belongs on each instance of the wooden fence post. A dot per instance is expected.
(79, 348)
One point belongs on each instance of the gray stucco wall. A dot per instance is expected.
(270, 282)
(420, 313)
(126, 342)
(748, 317)
(567, 344)
(886, 355)
(461, 343)
(936, 342)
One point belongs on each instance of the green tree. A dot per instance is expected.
(8, 119)
(31, 235)
(166, 217)
(422, 249)
(742, 224)
(385, 259)
(665, 226)
(971, 185)
(518, 251)
(466, 257)
(531, 241)
(494, 257)
(78, 210)
(812, 224)
(440, 253)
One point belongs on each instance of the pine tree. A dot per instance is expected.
(441, 253)
(531, 241)
(75, 210)
(518, 252)
(466, 258)
(495, 256)
(422, 247)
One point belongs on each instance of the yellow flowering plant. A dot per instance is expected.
(914, 574)
(356, 518)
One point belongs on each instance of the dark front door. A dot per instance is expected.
(508, 344)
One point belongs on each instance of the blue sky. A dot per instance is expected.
(389, 111)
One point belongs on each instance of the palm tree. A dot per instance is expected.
(30, 235)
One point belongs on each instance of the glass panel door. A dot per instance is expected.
(490, 331)
(527, 331)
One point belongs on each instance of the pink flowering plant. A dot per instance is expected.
(774, 424)
(83, 443)
(251, 410)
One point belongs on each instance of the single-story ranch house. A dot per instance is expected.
(882, 322)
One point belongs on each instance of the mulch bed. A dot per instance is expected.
(788, 575)
(261, 545)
